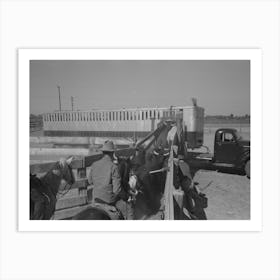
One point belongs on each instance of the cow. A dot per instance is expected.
(151, 184)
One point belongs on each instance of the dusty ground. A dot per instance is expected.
(228, 195)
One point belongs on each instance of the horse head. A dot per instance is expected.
(63, 170)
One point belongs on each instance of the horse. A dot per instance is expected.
(43, 191)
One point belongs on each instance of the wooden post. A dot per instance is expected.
(168, 191)
(179, 198)
(82, 173)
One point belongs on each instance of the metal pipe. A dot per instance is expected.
(153, 133)
(160, 170)
(59, 98)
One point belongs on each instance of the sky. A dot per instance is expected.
(221, 87)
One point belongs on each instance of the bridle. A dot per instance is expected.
(137, 189)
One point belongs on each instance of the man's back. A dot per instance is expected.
(105, 177)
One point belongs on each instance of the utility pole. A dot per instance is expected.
(59, 98)
(72, 103)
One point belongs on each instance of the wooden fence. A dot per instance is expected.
(72, 203)
(35, 124)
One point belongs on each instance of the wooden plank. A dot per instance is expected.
(77, 163)
(62, 152)
(75, 140)
(88, 160)
(82, 174)
(80, 183)
(168, 191)
(59, 140)
(70, 202)
(41, 167)
(69, 212)
(45, 167)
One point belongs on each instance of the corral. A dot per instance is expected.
(89, 129)
(228, 194)
(79, 197)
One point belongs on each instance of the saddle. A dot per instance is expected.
(110, 210)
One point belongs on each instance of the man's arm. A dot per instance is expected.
(116, 180)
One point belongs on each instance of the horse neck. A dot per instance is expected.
(52, 181)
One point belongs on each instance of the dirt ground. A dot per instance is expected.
(228, 195)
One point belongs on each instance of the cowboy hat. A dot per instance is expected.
(108, 146)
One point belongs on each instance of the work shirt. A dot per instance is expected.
(105, 177)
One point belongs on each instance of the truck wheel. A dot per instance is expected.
(247, 169)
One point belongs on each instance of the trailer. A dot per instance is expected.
(134, 123)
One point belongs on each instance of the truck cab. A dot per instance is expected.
(230, 151)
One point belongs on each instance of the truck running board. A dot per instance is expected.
(223, 165)
(206, 156)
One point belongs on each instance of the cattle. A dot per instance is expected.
(151, 185)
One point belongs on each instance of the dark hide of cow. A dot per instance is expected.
(43, 191)
(148, 200)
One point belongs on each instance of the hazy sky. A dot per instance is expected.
(221, 87)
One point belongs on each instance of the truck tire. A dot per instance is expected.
(248, 169)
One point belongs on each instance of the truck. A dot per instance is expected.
(231, 152)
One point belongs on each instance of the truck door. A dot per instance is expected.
(226, 147)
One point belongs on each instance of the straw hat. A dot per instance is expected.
(108, 146)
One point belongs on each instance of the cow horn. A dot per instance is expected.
(69, 160)
(155, 153)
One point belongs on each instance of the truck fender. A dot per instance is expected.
(244, 158)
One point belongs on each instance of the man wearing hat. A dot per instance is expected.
(104, 175)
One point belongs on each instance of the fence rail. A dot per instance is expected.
(35, 125)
